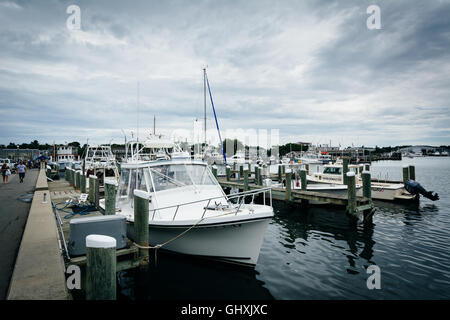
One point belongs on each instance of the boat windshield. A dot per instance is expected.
(179, 175)
(332, 170)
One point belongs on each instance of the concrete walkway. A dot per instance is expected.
(13, 217)
(39, 270)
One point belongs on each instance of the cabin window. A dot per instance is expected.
(124, 178)
(332, 170)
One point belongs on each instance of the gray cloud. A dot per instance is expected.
(311, 69)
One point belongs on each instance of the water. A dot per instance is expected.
(317, 253)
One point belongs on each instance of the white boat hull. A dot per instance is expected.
(234, 241)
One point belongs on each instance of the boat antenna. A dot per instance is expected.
(154, 124)
(137, 134)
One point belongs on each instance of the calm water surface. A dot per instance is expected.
(316, 253)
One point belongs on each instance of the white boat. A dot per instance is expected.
(100, 161)
(184, 195)
(238, 158)
(333, 174)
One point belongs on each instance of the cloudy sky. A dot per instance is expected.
(311, 69)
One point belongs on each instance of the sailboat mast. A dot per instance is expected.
(204, 95)
(154, 125)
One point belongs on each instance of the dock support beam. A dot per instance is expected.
(303, 180)
(82, 183)
(110, 198)
(405, 173)
(141, 204)
(351, 188)
(412, 172)
(345, 169)
(288, 185)
(100, 267)
(245, 180)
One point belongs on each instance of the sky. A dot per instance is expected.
(313, 70)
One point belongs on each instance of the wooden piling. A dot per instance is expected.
(351, 188)
(367, 185)
(412, 172)
(256, 174)
(228, 172)
(96, 192)
(280, 174)
(214, 171)
(303, 180)
(288, 194)
(307, 168)
(82, 183)
(91, 195)
(100, 267)
(405, 173)
(141, 213)
(76, 180)
(345, 169)
(260, 179)
(245, 180)
(110, 197)
(241, 171)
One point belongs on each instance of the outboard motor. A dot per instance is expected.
(414, 187)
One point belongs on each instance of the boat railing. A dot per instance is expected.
(241, 196)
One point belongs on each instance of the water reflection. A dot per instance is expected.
(182, 277)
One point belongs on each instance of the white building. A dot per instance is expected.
(66, 153)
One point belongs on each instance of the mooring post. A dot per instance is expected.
(234, 166)
(71, 177)
(80, 175)
(75, 182)
(307, 168)
(141, 213)
(283, 169)
(405, 173)
(303, 180)
(241, 172)
(100, 267)
(345, 169)
(228, 171)
(110, 197)
(260, 176)
(91, 195)
(280, 173)
(351, 188)
(214, 171)
(412, 172)
(96, 192)
(245, 180)
(82, 183)
(288, 184)
(249, 168)
(367, 185)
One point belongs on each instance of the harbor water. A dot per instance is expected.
(317, 253)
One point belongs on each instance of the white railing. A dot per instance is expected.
(239, 196)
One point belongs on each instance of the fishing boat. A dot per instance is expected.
(100, 161)
(190, 214)
(238, 158)
(333, 174)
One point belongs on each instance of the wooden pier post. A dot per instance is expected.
(101, 265)
(245, 180)
(241, 172)
(288, 196)
(367, 185)
(351, 188)
(412, 172)
(260, 176)
(141, 213)
(303, 180)
(110, 198)
(228, 171)
(280, 174)
(405, 173)
(256, 174)
(91, 195)
(214, 171)
(249, 167)
(345, 169)
(82, 183)
(76, 181)
(307, 168)
(96, 192)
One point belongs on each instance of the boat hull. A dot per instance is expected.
(236, 241)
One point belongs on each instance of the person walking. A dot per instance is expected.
(21, 169)
(5, 173)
